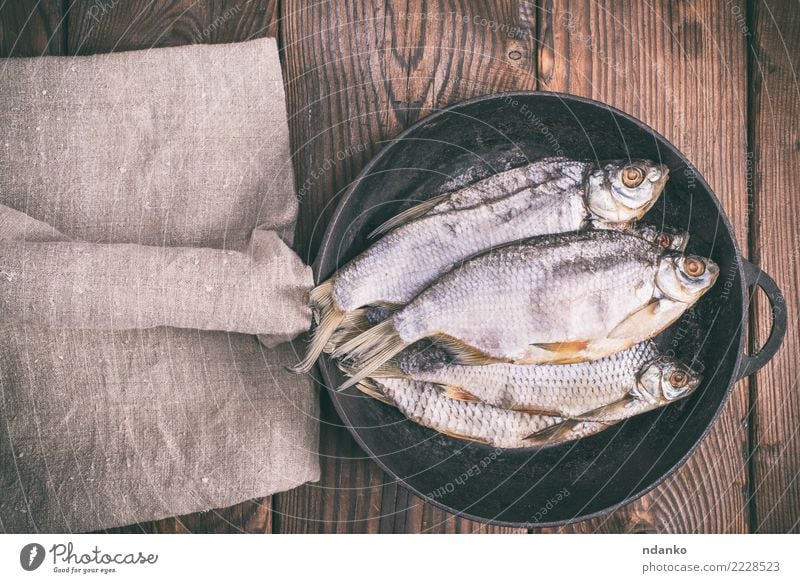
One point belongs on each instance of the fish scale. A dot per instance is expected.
(504, 300)
(568, 389)
(552, 195)
(438, 241)
(553, 299)
(423, 403)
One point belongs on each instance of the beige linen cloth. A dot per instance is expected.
(146, 211)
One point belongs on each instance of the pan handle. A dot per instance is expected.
(753, 277)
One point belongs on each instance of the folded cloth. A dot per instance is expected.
(145, 194)
(66, 284)
(177, 147)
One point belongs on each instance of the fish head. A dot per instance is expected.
(667, 238)
(664, 380)
(684, 278)
(622, 190)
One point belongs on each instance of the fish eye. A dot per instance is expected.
(664, 241)
(678, 379)
(632, 176)
(694, 267)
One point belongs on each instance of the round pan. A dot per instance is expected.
(577, 480)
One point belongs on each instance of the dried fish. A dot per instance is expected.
(362, 319)
(633, 381)
(425, 404)
(562, 298)
(553, 195)
(660, 382)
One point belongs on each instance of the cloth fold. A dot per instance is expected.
(68, 284)
(147, 198)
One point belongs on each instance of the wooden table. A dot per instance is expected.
(718, 78)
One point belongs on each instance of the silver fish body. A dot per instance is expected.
(553, 195)
(556, 299)
(665, 238)
(542, 198)
(565, 289)
(568, 390)
(425, 404)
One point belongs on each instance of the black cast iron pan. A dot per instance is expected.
(573, 481)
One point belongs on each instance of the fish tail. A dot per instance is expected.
(370, 388)
(371, 350)
(366, 343)
(330, 320)
(321, 299)
(389, 369)
(353, 324)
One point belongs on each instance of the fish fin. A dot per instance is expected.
(353, 324)
(321, 298)
(565, 348)
(649, 320)
(538, 411)
(356, 318)
(408, 215)
(339, 337)
(388, 370)
(552, 434)
(370, 350)
(455, 435)
(371, 389)
(329, 322)
(367, 342)
(457, 394)
(639, 320)
(606, 413)
(358, 321)
(463, 353)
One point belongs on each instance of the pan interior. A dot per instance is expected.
(535, 486)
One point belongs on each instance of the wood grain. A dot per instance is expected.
(775, 122)
(357, 73)
(679, 67)
(32, 29)
(104, 26)
(253, 516)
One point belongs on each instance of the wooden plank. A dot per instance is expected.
(31, 29)
(776, 247)
(680, 67)
(357, 73)
(253, 516)
(103, 27)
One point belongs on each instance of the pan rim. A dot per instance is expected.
(345, 202)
